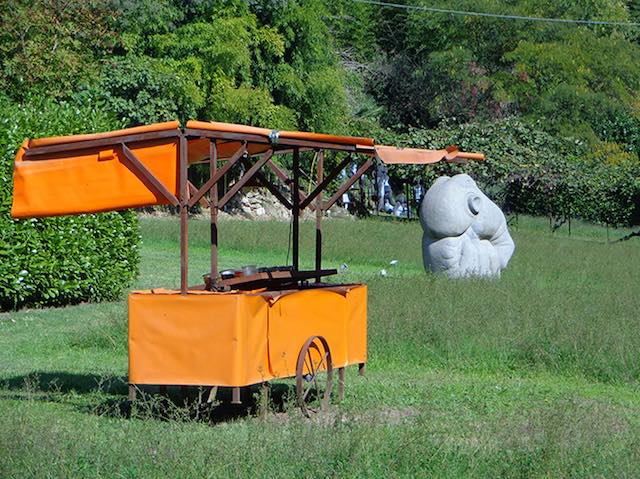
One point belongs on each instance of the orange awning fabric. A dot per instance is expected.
(58, 140)
(199, 149)
(280, 136)
(392, 155)
(96, 172)
(98, 178)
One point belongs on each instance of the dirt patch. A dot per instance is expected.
(387, 416)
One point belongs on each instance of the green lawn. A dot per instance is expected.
(534, 375)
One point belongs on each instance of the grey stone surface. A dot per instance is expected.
(465, 233)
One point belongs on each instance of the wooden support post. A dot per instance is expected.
(319, 213)
(235, 396)
(363, 199)
(246, 177)
(361, 367)
(213, 204)
(184, 216)
(295, 211)
(340, 384)
(347, 184)
(132, 392)
(213, 393)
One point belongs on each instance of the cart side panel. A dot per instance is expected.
(295, 317)
(357, 324)
(197, 339)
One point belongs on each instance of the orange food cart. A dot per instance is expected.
(231, 331)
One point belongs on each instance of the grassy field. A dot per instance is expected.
(534, 375)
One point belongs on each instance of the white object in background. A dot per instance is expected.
(465, 233)
(345, 200)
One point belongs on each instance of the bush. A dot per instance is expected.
(530, 171)
(64, 260)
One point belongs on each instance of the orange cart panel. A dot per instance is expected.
(197, 339)
(335, 313)
(295, 317)
(240, 338)
(357, 324)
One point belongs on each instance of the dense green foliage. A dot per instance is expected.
(58, 261)
(263, 63)
(511, 88)
(433, 67)
(533, 376)
(531, 171)
(468, 77)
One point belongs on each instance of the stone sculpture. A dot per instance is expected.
(465, 233)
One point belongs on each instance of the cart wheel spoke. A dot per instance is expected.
(306, 393)
(314, 375)
(319, 368)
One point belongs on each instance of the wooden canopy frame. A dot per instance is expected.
(164, 180)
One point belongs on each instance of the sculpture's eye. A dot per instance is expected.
(474, 201)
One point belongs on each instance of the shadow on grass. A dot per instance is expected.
(171, 403)
(62, 382)
(189, 404)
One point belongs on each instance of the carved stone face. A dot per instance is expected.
(465, 233)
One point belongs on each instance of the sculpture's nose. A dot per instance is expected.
(474, 202)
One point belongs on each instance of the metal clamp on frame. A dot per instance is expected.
(274, 136)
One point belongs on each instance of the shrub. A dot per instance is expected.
(64, 260)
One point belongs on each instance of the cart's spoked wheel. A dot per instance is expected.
(314, 376)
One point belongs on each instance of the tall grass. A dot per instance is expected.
(533, 375)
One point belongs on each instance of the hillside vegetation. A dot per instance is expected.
(350, 67)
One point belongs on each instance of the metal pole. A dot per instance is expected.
(363, 204)
(213, 204)
(319, 213)
(295, 211)
(184, 215)
(407, 189)
(235, 395)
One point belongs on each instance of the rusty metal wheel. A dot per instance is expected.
(314, 376)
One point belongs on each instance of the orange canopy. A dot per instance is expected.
(277, 135)
(97, 178)
(59, 140)
(139, 166)
(393, 155)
